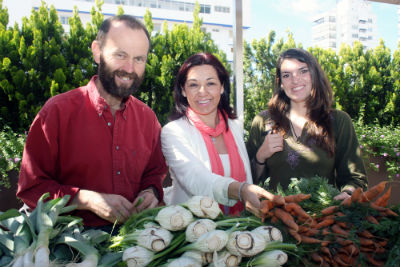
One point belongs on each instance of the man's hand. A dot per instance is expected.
(107, 206)
(149, 200)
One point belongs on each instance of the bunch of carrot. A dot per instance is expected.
(339, 240)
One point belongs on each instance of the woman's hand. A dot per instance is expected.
(251, 195)
(273, 143)
(342, 196)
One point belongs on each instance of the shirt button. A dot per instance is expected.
(118, 172)
(109, 123)
(117, 147)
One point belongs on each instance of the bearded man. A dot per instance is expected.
(97, 143)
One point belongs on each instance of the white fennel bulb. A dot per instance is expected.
(204, 207)
(245, 243)
(184, 262)
(226, 259)
(211, 241)
(197, 255)
(199, 227)
(154, 238)
(137, 256)
(269, 233)
(174, 218)
(273, 258)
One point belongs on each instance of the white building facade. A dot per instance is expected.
(217, 15)
(349, 21)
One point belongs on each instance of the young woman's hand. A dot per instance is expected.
(273, 143)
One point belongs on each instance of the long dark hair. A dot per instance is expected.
(318, 103)
(181, 102)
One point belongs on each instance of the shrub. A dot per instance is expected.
(381, 142)
(11, 148)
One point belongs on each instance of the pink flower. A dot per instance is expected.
(363, 136)
(377, 166)
(361, 146)
(398, 154)
(16, 160)
(385, 154)
(397, 175)
(382, 136)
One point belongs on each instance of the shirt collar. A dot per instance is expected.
(99, 102)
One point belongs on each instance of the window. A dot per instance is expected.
(64, 20)
(205, 9)
(222, 9)
(332, 19)
(319, 21)
(354, 35)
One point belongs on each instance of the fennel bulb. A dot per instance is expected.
(174, 218)
(204, 207)
(198, 228)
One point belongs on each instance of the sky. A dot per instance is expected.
(296, 15)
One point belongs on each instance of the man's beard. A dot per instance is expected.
(107, 79)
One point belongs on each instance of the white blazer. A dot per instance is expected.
(189, 164)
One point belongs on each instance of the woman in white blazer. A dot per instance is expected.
(203, 144)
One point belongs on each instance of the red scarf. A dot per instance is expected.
(236, 162)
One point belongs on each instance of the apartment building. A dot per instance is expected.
(349, 21)
(217, 15)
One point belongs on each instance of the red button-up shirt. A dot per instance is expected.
(75, 143)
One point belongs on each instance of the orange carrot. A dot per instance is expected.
(342, 224)
(373, 192)
(372, 219)
(329, 210)
(356, 195)
(390, 212)
(324, 223)
(383, 200)
(296, 209)
(338, 230)
(295, 235)
(344, 242)
(286, 218)
(350, 249)
(297, 198)
(278, 200)
(274, 219)
(366, 241)
(265, 206)
(317, 258)
(373, 261)
(382, 243)
(310, 240)
(326, 251)
(367, 249)
(366, 234)
(346, 202)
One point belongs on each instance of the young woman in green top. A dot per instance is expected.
(300, 135)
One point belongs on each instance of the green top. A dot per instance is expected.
(303, 159)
